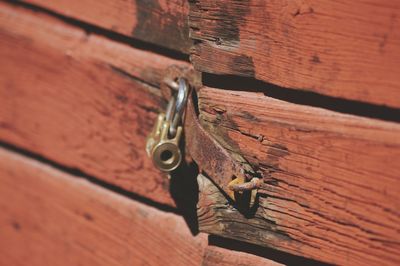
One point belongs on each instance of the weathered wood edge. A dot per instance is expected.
(159, 22)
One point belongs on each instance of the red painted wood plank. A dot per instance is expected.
(75, 99)
(48, 217)
(346, 49)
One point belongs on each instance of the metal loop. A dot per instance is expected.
(180, 103)
(171, 109)
(182, 96)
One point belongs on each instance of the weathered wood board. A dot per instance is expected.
(331, 181)
(75, 99)
(161, 22)
(347, 49)
(48, 217)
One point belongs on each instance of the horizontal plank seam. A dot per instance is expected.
(308, 98)
(111, 35)
(129, 76)
(80, 174)
(264, 252)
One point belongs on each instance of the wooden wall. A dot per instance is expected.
(306, 91)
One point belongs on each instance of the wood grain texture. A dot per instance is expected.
(74, 99)
(331, 181)
(224, 257)
(347, 49)
(48, 217)
(161, 22)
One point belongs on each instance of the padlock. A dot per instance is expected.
(163, 143)
(163, 150)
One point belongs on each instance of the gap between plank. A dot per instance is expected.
(90, 28)
(80, 174)
(264, 252)
(308, 98)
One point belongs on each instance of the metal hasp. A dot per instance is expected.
(228, 169)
